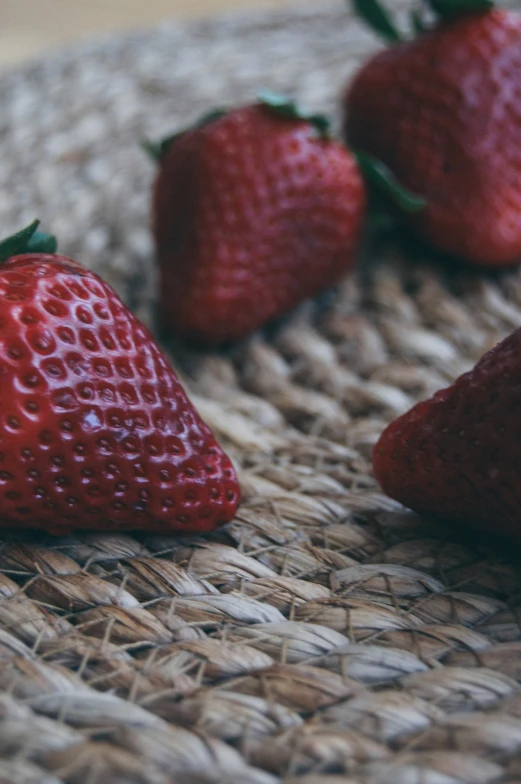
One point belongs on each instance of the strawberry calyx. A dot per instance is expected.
(285, 107)
(448, 9)
(158, 149)
(27, 240)
(378, 176)
(280, 104)
(378, 18)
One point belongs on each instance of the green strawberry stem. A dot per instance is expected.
(157, 150)
(285, 107)
(28, 240)
(378, 175)
(448, 9)
(378, 18)
(419, 27)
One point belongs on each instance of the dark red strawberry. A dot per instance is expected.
(458, 455)
(95, 430)
(443, 112)
(253, 211)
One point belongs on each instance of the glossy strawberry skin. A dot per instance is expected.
(444, 113)
(95, 430)
(252, 213)
(457, 456)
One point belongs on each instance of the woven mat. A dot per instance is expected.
(326, 635)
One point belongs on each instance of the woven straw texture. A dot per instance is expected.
(326, 636)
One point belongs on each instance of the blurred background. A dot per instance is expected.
(30, 27)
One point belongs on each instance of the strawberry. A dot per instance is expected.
(253, 211)
(96, 431)
(457, 456)
(443, 113)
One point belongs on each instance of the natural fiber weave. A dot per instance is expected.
(326, 636)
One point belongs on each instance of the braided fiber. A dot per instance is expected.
(326, 635)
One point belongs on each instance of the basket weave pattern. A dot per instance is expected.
(326, 635)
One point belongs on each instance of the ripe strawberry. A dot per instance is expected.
(443, 112)
(458, 455)
(95, 431)
(253, 211)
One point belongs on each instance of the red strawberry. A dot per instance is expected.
(95, 430)
(253, 211)
(443, 112)
(458, 455)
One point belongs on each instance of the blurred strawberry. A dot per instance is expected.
(457, 456)
(253, 211)
(443, 113)
(96, 432)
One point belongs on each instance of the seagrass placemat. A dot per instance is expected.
(326, 635)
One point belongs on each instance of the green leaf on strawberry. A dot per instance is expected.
(381, 177)
(285, 107)
(27, 240)
(447, 9)
(418, 24)
(157, 150)
(41, 242)
(378, 18)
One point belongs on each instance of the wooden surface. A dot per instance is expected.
(29, 27)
